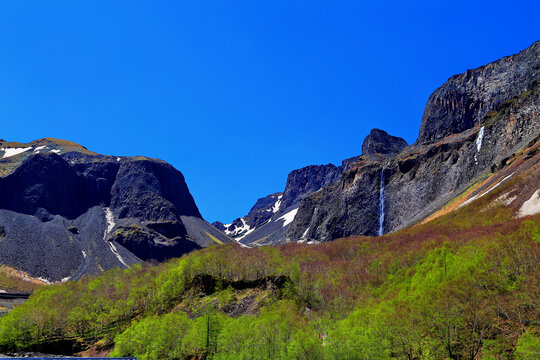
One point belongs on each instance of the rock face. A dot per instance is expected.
(347, 207)
(424, 177)
(67, 212)
(463, 101)
(260, 213)
(263, 210)
(305, 181)
(380, 142)
(268, 220)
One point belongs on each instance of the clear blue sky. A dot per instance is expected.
(236, 94)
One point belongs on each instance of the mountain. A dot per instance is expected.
(471, 126)
(380, 142)
(260, 213)
(465, 285)
(380, 195)
(268, 220)
(455, 276)
(66, 212)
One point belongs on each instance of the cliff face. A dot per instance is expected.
(348, 207)
(423, 181)
(67, 212)
(380, 142)
(460, 143)
(143, 188)
(462, 102)
(268, 220)
(305, 181)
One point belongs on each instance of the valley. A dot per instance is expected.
(422, 251)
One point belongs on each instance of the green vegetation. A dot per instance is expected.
(464, 286)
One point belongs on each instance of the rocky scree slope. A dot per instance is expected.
(472, 125)
(66, 212)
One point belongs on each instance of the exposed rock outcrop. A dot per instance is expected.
(380, 142)
(269, 219)
(67, 212)
(462, 102)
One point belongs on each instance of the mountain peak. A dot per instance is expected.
(380, 142)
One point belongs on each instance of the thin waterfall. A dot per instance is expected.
(381, 205)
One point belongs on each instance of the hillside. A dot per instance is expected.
(464, 285)
(427, 251)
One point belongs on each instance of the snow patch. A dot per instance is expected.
(38, 149)
(237, 230)
(9, 152)
(531, 206)
(245, 228)
(288, 217)
(109, 218)
(117, 254)
(506, 199)
(486, 192)
(118, 159)
(48, 282)
(65, 279)
(56, 151)
(304, 235)
(84, 254)
(276, 206)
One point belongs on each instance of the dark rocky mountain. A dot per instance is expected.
(457, 149)
(305, 181)
(66, 212)
(260, 213)
(268, 220)
(464, 100)
(380, 142)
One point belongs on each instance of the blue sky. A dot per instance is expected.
(236, 94)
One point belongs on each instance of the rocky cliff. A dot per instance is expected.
(472, 125)
(261, 212)
(268, 220)
(66, 212)
(462, 102)
(380, 142)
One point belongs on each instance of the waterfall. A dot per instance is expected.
(381, 205)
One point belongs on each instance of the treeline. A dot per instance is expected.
(465, 286)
